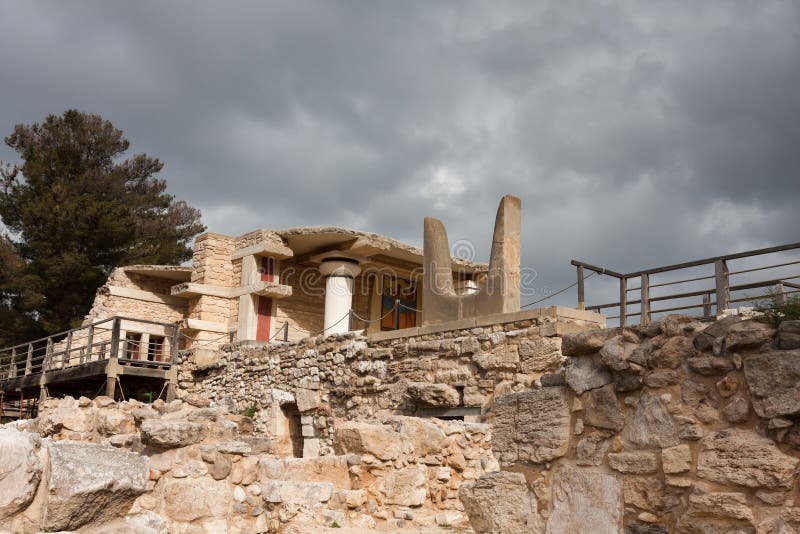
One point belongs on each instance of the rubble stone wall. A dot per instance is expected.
(681, 426)
(366, 378)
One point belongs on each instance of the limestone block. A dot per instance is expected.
(503, 357)
(405, 487)
(539, 355)
(303, 493)
(586, 342)
(426, 437)
(773, 379)
(676, 459)
(363, 438)
(748, 334)
(20, 471)
(672, 353)
(330, 469)
(638, 463)
(582, 498)
(744, 458)
(185, 499)
(111, 421)
(646, 493)
(788, 335)
(602, 410)
(532, 426)
(500, 503)
(91, 483)
(651, 424)
(586, 372)
(437, 395)
(168, 434)
(307, 399)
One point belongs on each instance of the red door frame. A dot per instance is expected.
(264, 308)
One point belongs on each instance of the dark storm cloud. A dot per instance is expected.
(636, 134)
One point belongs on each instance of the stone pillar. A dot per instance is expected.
(247, 323)
(339, 273)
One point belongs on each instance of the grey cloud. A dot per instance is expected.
(636, 134)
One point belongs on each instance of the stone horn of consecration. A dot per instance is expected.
(497, 293)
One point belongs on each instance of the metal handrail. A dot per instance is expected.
(721, 291)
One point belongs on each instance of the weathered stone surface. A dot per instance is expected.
(203, 415)
(331, 469)
(613, 354)
(166, 434)
(646, 493)
(426, 437)
(437, 395)
(602, 410)
(586, 372)
(591, 450)
(676, 459)
(307, 399)
(651, 424)
(672, 353)
(788, 335)
(737, 410)
(65, 416)
(586, 342)
(744, 458)
(91, 483)
(144, 413)
(539, 355)
(190, 499)
(774, 382)
(638, 527)
(504, 357)
(582, 498)
(362, 438)
(306, 493)
(219, 465)
(20, 470)
(626, 381)
(500, 503)
(110, 421)
(708, 365)
(637, 463)
(722, 505)
(748, 334)
(405, 487)
(532, 426)
(197, 400)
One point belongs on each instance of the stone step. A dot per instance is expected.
(328, 469)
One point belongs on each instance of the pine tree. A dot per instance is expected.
(76, 210)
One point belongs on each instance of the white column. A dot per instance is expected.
(248, 319)
(340, 273)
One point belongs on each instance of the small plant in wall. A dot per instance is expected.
(250, 411)
(777, 307)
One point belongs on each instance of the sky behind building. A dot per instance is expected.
(636, 134)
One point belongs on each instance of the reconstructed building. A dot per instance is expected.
(278, 285)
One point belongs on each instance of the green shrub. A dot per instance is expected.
(250, 411)
(777, 307)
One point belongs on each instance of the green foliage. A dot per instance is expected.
(149, 396)
(77, 210)
(250, 411)
(778, 307)
(335, 525)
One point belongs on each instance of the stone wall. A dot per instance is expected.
(101, 466)
(680, 426)
(462, 365)
(168, 310)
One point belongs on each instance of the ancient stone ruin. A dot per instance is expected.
(498, 421)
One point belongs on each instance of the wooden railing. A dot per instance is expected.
(721, 294)
(125, 339)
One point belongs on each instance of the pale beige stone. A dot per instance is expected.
(676, 459)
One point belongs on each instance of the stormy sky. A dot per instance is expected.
(636, 133)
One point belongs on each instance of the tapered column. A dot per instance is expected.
(339, 273)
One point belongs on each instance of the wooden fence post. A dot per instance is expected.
(581, 291)
(623, 301)
(644, 306)
(721, 279)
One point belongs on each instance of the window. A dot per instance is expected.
(133, 344)
(394, 289)
(155, 349)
